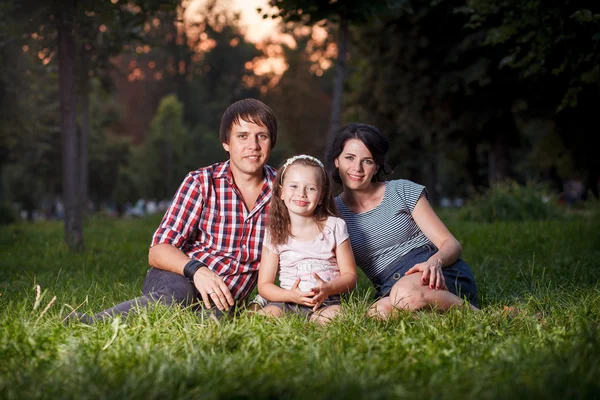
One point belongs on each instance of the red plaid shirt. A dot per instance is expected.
(209, 222)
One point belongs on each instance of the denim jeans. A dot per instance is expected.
(458, 276)
(163, 287)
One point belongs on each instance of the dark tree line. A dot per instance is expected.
(125, 97)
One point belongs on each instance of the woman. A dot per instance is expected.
(397, 238)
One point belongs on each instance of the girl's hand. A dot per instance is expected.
(300, 297)
(321, 291)
(431, 274)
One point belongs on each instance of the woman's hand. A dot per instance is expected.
(431, 273)
(321, 291)
(299, 297)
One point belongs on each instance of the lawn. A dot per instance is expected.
(538, 335)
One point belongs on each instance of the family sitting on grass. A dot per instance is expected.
(207, 249)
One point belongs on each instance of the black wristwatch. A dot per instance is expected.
(191, 267)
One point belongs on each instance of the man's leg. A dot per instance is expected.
(159, 286)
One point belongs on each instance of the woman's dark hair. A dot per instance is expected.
(377, 143)
(250, 110)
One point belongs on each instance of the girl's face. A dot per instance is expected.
(356, 165)
(301, 189)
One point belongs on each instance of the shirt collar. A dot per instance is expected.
(223, 171)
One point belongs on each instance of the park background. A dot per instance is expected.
(106, 105)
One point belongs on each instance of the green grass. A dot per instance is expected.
(551, 349)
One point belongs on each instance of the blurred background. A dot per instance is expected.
(105, 105)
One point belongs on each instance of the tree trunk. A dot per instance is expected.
(84, 93)
(340, 76)
(593, 180)
(169, 149)
(473, 167)
(433, 170)
(498, 162)
(68, 127)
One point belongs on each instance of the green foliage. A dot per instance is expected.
(431, 93)
(109, 154)
(164, 158)
(592, 205)
(311, 11)
(301, 101)
(536, 337)
(8, 214)
(220, 76)
(510, 201)
(206, 147)
(460, 104)
(29, 137)
(556, 41)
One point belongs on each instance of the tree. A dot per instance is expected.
(470, 97)
(206, 64)
(553, 47)
(109, 153)
(342, 13)
(301, 100)
(68, 23)
(29, 123)
(436, 94)
(165, 155)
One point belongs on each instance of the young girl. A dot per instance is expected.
(306, 243)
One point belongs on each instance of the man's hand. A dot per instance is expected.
(300, 297)
(212, 287)
(321, 291)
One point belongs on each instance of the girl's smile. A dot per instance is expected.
(300, 190)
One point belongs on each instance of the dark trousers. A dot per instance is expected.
(163, 287)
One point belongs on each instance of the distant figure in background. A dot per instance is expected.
(208, 245)
(396, 236)
(574, 191)
(306, 244)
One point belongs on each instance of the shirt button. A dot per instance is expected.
(243, 246)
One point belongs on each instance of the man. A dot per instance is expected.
(207, 246)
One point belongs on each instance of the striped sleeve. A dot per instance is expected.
(182, 216)
(410, 193)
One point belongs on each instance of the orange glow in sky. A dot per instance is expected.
(256, 30)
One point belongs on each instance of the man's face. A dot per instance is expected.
(249, 148)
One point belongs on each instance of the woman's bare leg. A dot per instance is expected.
(410, 294)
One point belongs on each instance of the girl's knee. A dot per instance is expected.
(326, 314)
(381, 309)
(270, 311)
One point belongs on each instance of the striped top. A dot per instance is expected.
(381, 236)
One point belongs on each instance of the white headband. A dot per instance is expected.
(291, 160)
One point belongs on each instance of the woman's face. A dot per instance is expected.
(356, 165)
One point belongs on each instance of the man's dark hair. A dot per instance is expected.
(249, 110)
(377, 143)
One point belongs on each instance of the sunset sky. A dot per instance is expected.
(258, 30)
(255, 26)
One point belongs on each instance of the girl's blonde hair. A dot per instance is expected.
(278, 222)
